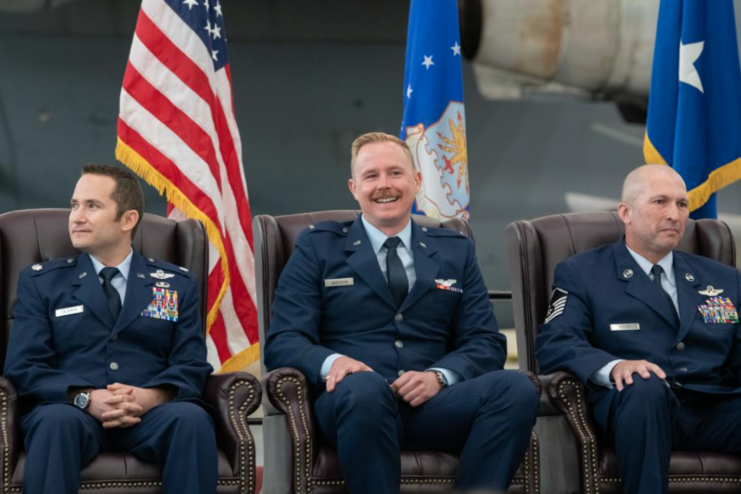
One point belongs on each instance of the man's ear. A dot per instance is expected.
(624, 212)
(129, 220)
(353, 188)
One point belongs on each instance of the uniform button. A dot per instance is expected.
(399, 344)
(114, 337)
(344, 230)
(113, 366)
(424, 229)
(398, 317)
(401, 373)
(680, 346)
(683, 369)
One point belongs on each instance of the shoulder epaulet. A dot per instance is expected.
(443, 232)
(331, 226)
(166, 266)
(46, 267)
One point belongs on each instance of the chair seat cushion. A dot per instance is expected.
(420, 464)
(121, 470)
(688, 472)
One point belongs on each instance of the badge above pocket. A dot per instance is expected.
(164, 305)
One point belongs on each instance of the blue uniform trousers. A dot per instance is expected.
(60, 439)
(647, 420)
(486, 420)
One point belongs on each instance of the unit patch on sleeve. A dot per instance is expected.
(556, 305)
(163, 306)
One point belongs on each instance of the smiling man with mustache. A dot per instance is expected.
(653, 333)
(392, 323)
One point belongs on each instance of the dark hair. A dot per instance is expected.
(127, 194)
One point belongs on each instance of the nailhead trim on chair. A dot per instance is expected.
(246, 443)
(296, 436)
(240, 426)
(676, 479)
(6, 450)
(588, 452)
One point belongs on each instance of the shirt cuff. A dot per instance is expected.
(451, 377)
(327, 365)
(602, 376)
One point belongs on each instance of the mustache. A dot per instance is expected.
(385, 194)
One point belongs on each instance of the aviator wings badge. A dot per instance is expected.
(161, 275)
(710, 291)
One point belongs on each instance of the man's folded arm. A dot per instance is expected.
(187, 366)
(293, 337)
(478, 345)
(31, 361)
(563, 342)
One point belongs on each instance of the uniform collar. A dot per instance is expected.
(667, 264)
(377, 237)
(123, 268)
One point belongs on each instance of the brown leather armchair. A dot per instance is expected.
(535, 248)
(296, 461)
(31, 236)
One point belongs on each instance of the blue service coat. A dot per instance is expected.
(606, 287)
(51, 350)
(314, 317)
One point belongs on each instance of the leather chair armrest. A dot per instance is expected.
(233, 397)
(9, 422)
(288, 393)
(566, 394)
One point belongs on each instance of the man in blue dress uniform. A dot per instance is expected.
(107, 350)
(393, 324)
(653, 333)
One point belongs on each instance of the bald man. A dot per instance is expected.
(653, 333)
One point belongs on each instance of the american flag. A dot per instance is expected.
(177, 130)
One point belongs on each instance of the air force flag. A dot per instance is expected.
(434, 124)
(694, 112)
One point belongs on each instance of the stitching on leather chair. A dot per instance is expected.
(6, 450)
(589, 451)
(246, 485)
(294, 427)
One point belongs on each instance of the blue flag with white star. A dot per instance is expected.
(434, 122)
(694, 111)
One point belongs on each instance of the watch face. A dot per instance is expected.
(82, 400)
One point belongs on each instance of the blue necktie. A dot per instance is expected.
(397, 275)
(114, 299)
(656, 270)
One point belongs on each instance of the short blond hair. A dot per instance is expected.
(372, 137)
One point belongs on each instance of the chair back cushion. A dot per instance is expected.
(275, 239)
(536, 247)
(37, 235)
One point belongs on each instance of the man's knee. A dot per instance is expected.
(57, 417)
(185, 414)
(651, 390)
(367, 392)
(513, 391)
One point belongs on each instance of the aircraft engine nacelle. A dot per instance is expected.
(597, 48)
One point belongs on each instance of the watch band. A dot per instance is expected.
(441, 378)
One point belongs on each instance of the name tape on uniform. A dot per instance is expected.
(634, 326)
(339, 282)
(77, 309)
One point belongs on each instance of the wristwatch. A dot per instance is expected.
(441, 378)
(82, 400)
